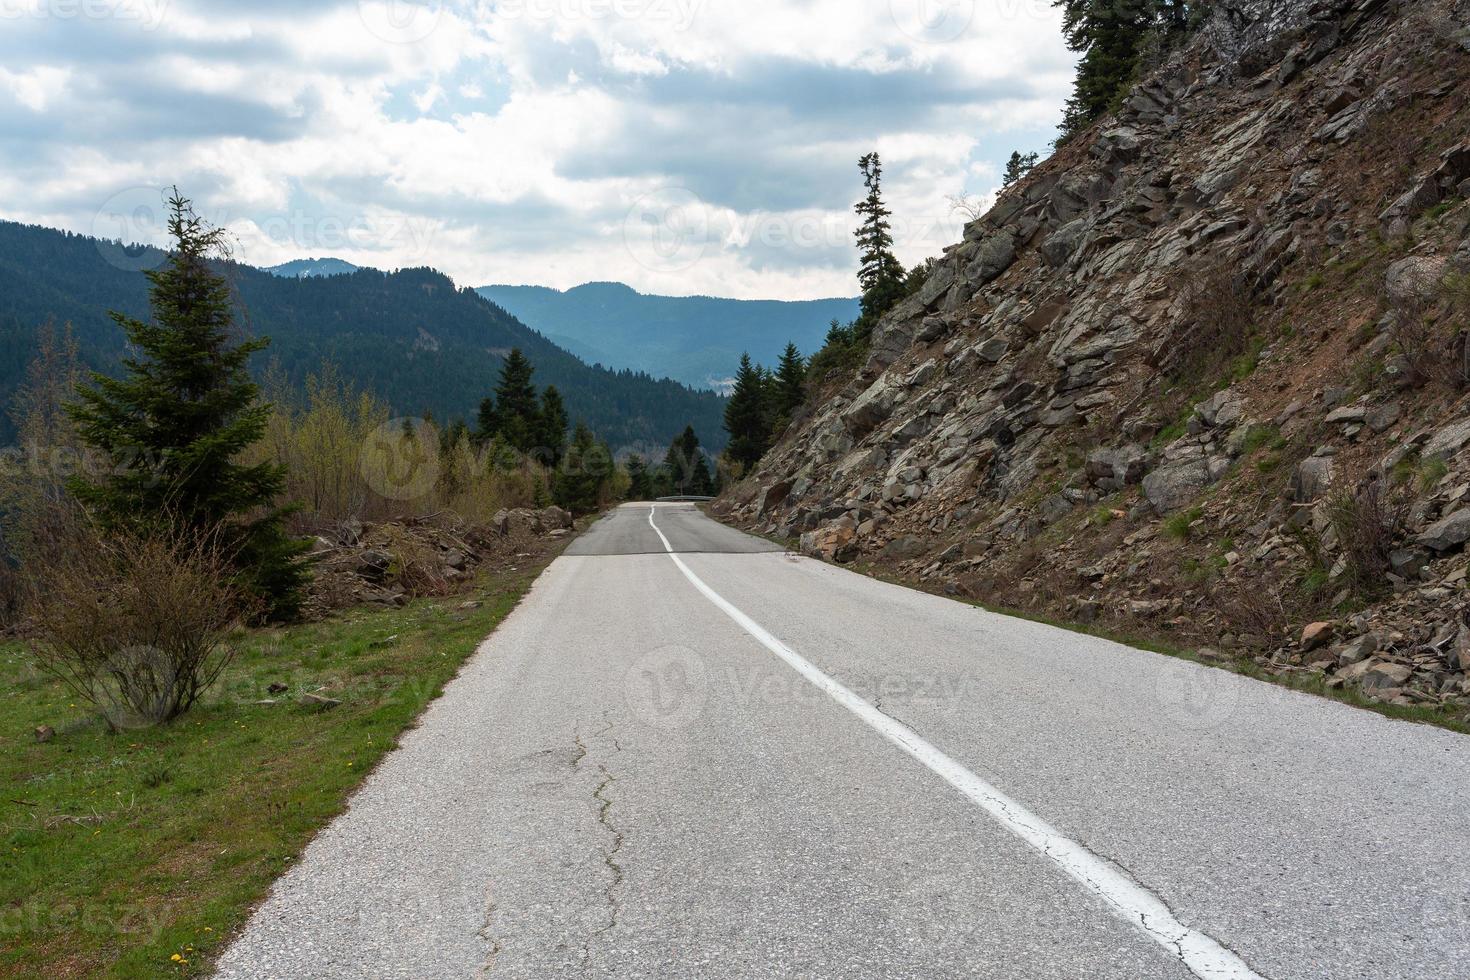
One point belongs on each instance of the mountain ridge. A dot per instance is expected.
(696, 340)
(411, 336)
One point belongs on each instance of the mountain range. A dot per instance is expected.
(694, 339)
(412, 337)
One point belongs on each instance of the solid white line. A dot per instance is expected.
(1200, 954)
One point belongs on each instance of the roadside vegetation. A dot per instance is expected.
(135, 851)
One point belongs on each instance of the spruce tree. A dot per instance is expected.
(487, 422)
(880, 274)
(175, 424)
(584, 474)
(747, 417)
(516, 406)
(790, 387)
(688, 473)
(640, 484)
(551, 427)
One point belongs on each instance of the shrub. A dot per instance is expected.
(1178, 526)
(1368, 522)
(1218, 333)
(135, 625)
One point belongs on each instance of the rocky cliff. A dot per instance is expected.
(1202, 373)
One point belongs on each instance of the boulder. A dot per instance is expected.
(836, 542)
(1312, 479)
(555, 517)
(904, 548)
(994, 256)
(871, 408)
(1175, 484)
(992, 350)
(1316, 635)
(1358, 650)
(1449, 440)
(1414, 279)
(771, 497)
(1449, 533)
(1114, 469)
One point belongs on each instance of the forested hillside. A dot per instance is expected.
(411, 336)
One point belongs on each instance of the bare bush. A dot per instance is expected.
(1429, 323)
(1368, 523)
(1216, 310)
(134, 625)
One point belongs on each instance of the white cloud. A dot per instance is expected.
(512, 140)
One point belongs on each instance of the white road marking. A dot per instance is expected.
(1200, 954)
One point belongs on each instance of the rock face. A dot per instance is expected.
(1186, 308)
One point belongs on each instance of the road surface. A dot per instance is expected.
(688, 754)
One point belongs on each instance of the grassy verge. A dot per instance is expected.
(136, 854)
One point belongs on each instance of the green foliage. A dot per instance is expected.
(789, 385)
(747, 416)
(159, 841)
(175, 424)
(1262, 435)
(584, 480)
(640, 480)
(880, 274)
(1177, 526)
(685, 471)
(1018, 166)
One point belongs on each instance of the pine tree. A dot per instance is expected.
(746, 416)
(584, 475)
(640, 482)
(516, 405)
(790, 388)
(685, 467)
(551, 427)
(1018, 166)
(1113, 37)
(177, 421)
(880, 274)
(487, 422)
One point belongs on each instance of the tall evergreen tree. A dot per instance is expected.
(516, 406)
(880, 274)
(487, 422)
(746, 416)
(790, 387)
(640, 482)
(685, 467)
(177, 421)
(551, 427)
(584, 474)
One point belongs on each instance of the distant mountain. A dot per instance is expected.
(412, 336)
(303, 268)
(694, 339)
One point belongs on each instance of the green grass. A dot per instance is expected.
(1177, 526)
(124, 850)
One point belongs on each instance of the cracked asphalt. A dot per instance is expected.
(624, 783)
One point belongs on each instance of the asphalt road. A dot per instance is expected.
(733, 762)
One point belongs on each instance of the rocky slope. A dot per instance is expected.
(1203, 373)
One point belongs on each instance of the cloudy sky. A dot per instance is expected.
(681, 146)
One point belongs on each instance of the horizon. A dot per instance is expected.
(679, 147)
